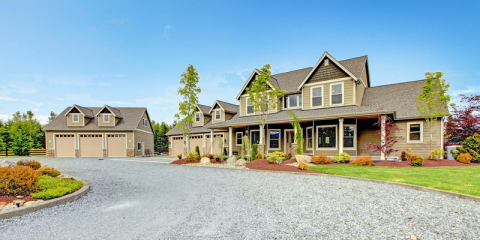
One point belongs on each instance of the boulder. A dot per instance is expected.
(303, 158)
(205, 160)
(29, 203)
(231, 160)
(240, 163)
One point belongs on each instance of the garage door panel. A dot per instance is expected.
(116, 145)
(91, 145)
(196, 141)
(65, 145)
(177, 144)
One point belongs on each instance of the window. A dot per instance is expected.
(144, 122)
(337, 93)
(139, 146)
(106, 118)
(249, 107)
(75, 118)
(254, 136)
(327, 137)
(317, 96)
(217, 114)
(293, 101)
(349, 137)
(274, 140)
(197, 117)
(415, 130)
(239, 136)
(309, 138)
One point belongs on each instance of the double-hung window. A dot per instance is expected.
(75, 118)
(249, 107)
(337, 93)
(349, 136)
(218, 115)
(415, 132)
(274, 140)
(197, 117)
(293, 101)
(327, 137)
(317, 96)
(106, 118)
(239, 136)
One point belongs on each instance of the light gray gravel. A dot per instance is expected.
(149, 200)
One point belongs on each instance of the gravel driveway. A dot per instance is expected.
(150, 200)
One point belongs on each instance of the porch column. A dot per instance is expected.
(211, 141)
(382, 136)
(340, 135)
(230, 141)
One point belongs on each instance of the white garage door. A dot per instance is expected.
(65, 145)
(177, 145)
(91, 145)
(116, 145)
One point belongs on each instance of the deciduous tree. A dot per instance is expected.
(390, 140)
(465, 119)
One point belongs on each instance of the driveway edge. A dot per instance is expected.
(47, 204)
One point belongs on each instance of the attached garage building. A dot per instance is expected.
(100, 132)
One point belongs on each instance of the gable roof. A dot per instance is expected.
(129, 122)
(87, 112)
(272, 82)
(204, 109)
(193, 130)
(113, 110)
(227, 107)
(357, 66)
(327, 55)
(289, 81)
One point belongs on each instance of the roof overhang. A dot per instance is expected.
(74, 106)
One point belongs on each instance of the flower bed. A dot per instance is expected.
(186, 161)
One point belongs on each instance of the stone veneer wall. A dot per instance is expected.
(77, 153)
(50, 153)
(130, 153)
(104, 152)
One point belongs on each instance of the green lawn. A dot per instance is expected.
(56, 187)
(455, 179)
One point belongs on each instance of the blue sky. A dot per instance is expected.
(129, 53)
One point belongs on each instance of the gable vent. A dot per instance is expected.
(327, 62)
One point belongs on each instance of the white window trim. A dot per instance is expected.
(198, 117)
(408, 132)
(73, 117)
(311, 97)
(306, 139)
(298, 101)
(336, 138)
(279, 139)
(250, 135)
(236, 138)
(220, 114)
(108, 118)
(144, 122)
(331, 95)
(246, 107)
(354, 137)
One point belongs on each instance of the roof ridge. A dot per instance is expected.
(226, 102)
(398, 83)
(353, 58)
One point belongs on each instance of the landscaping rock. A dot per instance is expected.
(19, 203)
(240, 163)
(303, 158)
(205, 160)
(3, 203)
(20, 197)
(231, 160)
(29, 203)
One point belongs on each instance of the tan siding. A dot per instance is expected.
(206, 119)
(130, 140)
(199, 124)
(324, 73)
(422, 149)
(367, 134)
(147, 138)
(243, 106)
(222, 115)
(306, 97)
(348, 91)
(228, 116)
(359, 94)
(365, 77)
(49, 140)
(81, 121)
(148, 128)
(101, 123)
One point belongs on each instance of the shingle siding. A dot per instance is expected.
(323, 73)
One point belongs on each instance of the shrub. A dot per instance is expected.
(407, 154)
(403, 156)
(464, 158)
(34, 164)
(363, 161)
(275, 157)
(259, 156)
(341, 157)
(416, 160)
(471, 145)
(197, 149)
(209, 155)
(255, 151)
(217, 157)
(321, 159)
(225, 158)
(49, 171)
(192, 156)
(288, 155)
(436, 154)
(56, 187)
(22, 163)
(179, 156)
(18, 180)
(302, 166)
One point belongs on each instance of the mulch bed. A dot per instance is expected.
(9, 199)
(427, 163)
(264, 164)
(185, 161)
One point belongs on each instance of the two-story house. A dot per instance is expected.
(100, 132)
(337, 107)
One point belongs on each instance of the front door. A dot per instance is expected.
(289, 140)
(255, 137)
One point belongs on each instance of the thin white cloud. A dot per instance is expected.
(166, 31)
(10, 99)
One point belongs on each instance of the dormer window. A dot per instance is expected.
(106, 118)
(293, 101)
(197, 117)
(337, 93)
(75, 118)
(218, 115)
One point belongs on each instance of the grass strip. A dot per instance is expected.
(51, 187)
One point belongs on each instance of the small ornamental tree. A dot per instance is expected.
(465, 120)
(264, 96)
(298, 137)
(433, 100)
(186, 108)
(246, 148)
(390, 140)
